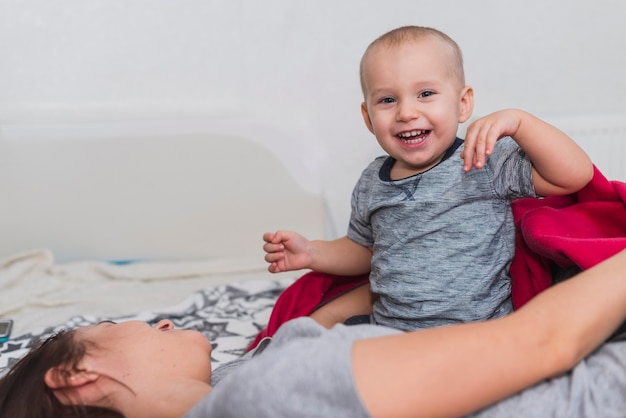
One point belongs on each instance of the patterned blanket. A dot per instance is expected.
(230, 316)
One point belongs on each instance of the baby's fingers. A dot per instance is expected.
(478, 146)
(480, 152)
(274, 237)
(469, 153)
(270, 247)
(274, 268)
(274, 257)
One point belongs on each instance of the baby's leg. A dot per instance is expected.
(357, 301)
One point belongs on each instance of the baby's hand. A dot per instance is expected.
(286, 251)
(483, 134)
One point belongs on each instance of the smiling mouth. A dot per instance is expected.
(413, 137)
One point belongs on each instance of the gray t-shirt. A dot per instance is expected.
(306, 372)
(442, 240)
(596, 388)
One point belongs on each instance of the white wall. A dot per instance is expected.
(293, 64)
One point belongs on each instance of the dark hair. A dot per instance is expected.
(23, 392)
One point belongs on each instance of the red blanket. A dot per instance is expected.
(580, 229)
(304, 295)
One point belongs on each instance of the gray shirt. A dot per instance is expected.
(442, 240)
(596, 388)
(306, 372)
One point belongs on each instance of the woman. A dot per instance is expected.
(133, 370)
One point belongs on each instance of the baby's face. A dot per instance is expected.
(414, 101)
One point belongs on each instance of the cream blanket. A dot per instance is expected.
(37, 292)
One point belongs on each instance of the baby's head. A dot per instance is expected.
(407, 34)
(414, 96)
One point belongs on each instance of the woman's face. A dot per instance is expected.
(136, 350)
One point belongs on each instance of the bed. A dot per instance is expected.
(159, 218)
(150, 219)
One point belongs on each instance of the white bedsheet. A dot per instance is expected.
(36, 292)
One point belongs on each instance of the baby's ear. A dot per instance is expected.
(366, 117)
(467, 104)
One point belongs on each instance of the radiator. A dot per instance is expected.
(603, 137)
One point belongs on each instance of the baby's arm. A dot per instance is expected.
(560, 166)
(286, 250)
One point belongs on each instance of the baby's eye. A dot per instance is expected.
(387, 100)
(426, 93)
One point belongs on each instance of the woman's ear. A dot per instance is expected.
(59, 377)
(67, 385)
(467, 104)
(366, 117)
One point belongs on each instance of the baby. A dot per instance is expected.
(436, 234)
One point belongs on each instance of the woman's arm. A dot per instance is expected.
(454, 370)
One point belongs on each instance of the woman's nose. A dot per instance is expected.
(164, 325)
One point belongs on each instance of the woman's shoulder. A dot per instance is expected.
(302, 354)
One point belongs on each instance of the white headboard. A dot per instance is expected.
(152, 190)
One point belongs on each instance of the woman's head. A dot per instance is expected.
(23, 392)
(108, 366)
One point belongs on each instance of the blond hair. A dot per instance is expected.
(405, 34)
